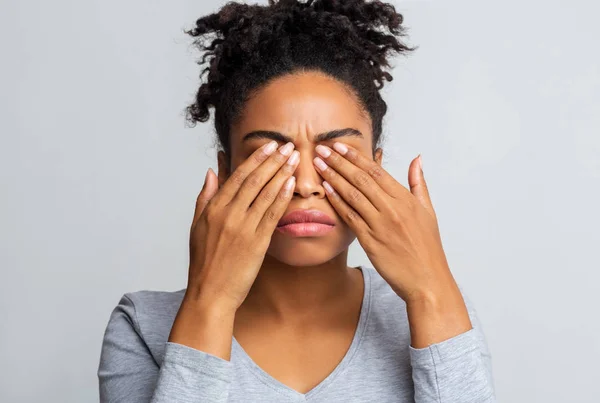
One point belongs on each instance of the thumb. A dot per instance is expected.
(418, 186)
(209, 189)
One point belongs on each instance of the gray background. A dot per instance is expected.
(99, 177)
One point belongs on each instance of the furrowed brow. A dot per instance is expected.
(330, 135)
(337, 133)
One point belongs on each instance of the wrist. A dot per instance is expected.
(208, 306)
(204, 326)
(439, 287)
(435, 316)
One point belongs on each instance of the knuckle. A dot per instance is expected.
(268, 195)
(253, 181)
(258, 158)
(330, 174)
(279, 158)
(238, 177)
(375, 171)
(209, 211)
(201, 200)
(282, 196)
(354, 195)
(362, 178)
(351, 215)
(271, 216)
(287, 168)
(395, 218)
(230, 227)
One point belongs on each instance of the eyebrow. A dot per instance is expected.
(267, 134)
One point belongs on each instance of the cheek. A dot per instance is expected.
(238, 159)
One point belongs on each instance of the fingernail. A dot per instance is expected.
(294, 158)
(323, 151)
(287, 148)
(320, 163)
(420, 162)
(340, 148)
(328, 187)
(206, 178)
(289, 184)
(269, 148)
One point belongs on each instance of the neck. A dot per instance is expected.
(300, 293)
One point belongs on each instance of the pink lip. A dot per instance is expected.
(306, 223)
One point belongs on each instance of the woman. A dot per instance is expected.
(271, 311)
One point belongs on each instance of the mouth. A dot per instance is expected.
(306, 223)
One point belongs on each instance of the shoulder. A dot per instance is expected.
(147, 314)
(153, 303)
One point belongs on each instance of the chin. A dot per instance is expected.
(301, 261)
(308, 251)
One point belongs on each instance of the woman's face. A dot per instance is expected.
(301, 106)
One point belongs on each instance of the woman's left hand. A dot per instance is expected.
(398, 230)
(395, 226)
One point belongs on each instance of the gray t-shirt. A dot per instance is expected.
(138, 364)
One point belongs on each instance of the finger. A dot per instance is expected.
(348, 214)
(258, 178)
(271, 192)
(238, 177)
(351, 195)
(275, 211)
(357, 176)
(383, 178)
(418, 186)
(209, 189)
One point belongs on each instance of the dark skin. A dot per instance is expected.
(300, 314)
(305, 302)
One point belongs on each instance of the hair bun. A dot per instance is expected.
(246, 45)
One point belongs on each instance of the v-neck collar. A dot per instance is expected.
(240, 354)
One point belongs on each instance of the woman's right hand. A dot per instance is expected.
(233, 225)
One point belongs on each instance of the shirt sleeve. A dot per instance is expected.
(129, 373)
(457, 370)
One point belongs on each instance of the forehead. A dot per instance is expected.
(301, 106)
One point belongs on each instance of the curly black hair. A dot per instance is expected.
(246, 46)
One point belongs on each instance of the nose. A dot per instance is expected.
(308, 181)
